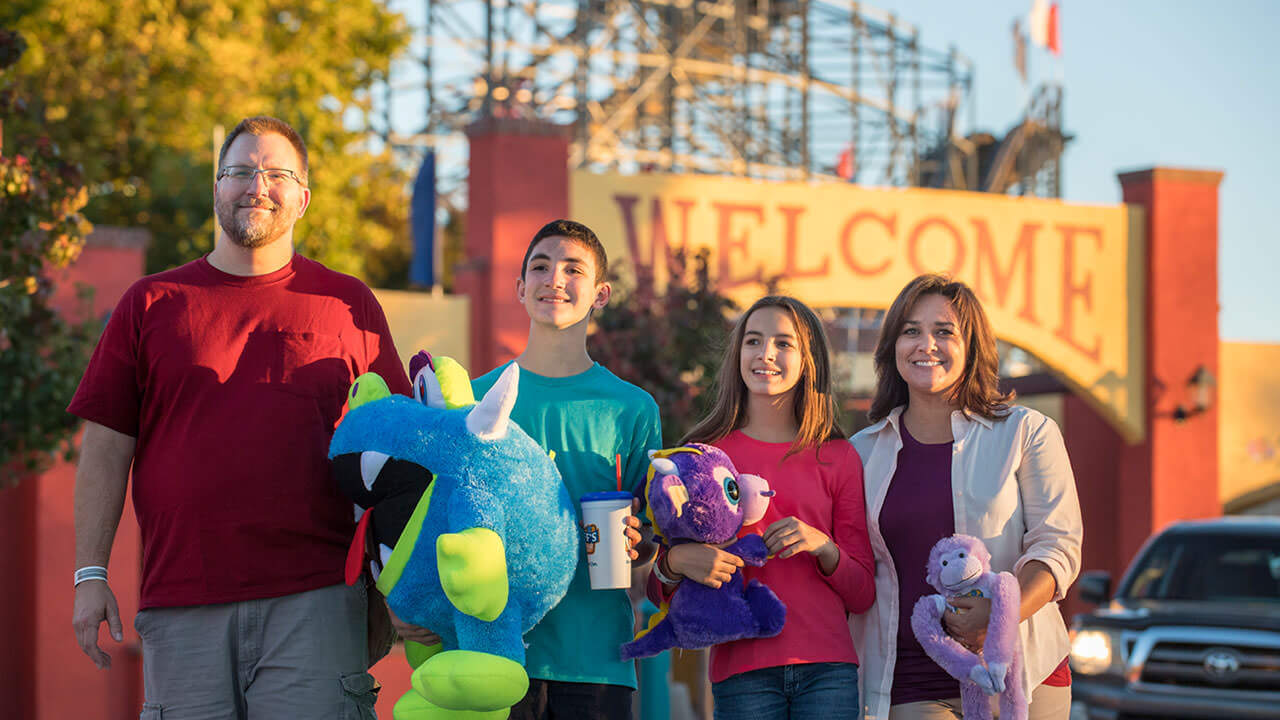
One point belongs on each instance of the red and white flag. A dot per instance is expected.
(1042, 24)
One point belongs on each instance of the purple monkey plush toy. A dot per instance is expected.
(961, 566)
(695, 494)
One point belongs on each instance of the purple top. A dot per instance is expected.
(916, 514)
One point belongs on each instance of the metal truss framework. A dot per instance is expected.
(774, 89)
(1026, 161)
(770, 89)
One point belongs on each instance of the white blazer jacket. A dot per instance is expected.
(1013, 488)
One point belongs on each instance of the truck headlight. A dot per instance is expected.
(1091, 652)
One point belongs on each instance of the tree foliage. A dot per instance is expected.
(134, 88)
(670, 343)
(41, 353)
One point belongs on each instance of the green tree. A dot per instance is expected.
(134, 88)
(670, 343)
(41, 353)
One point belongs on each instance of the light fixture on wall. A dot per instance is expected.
(1200, 390)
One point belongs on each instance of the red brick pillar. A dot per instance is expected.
(519, 181)
(1174, 475)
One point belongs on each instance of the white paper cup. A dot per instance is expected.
(604, 538)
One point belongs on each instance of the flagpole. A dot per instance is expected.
(1020, 60)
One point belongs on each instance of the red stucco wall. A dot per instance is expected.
(67, 684)
(1095, 449)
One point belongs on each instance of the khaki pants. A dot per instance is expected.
(1047, 703)
(297, 656)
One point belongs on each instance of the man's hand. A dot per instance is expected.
(95, 603)
(412, 632)
(703, 564)
(969, 625)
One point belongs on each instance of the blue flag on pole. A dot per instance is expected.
(422, 220)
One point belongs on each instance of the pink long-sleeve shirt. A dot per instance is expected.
(823, 490)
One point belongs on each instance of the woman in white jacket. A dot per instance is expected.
(948, 454)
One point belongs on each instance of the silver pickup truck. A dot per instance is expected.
(1192, 631)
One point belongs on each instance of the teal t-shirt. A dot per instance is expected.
(587, 419)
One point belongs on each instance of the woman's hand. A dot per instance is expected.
(789, 536)
(703, 564)
(968, 622)
(969, 626)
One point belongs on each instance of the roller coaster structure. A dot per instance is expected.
(773, 89)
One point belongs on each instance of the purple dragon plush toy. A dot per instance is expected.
(961, 566)
(696, 495)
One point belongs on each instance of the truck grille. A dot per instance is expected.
(1192, 664)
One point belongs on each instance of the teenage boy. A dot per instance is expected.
(598, 426)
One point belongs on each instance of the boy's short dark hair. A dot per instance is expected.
(576, 232)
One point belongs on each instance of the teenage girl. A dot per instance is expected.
(775, 417)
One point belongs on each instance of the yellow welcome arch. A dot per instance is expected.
(1063, 281)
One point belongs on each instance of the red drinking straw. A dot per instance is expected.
(617, 466)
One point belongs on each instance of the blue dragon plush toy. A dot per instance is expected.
(695, 494)
(475, 528)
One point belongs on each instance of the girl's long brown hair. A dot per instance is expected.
(814, 404)
(978, 389)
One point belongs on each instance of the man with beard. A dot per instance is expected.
(221, 382)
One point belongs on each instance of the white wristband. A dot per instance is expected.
(662, 577)
(91, 572)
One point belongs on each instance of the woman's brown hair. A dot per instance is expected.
(978, 389)
(814, 404)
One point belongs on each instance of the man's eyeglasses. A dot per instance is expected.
(243, 175)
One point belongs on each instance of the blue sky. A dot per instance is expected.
(1175, 83)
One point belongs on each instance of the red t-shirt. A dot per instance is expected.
(825, 491)
(1061, 676)
(232, 387)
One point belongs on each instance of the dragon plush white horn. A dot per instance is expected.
(663, 466)
(488, 420)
